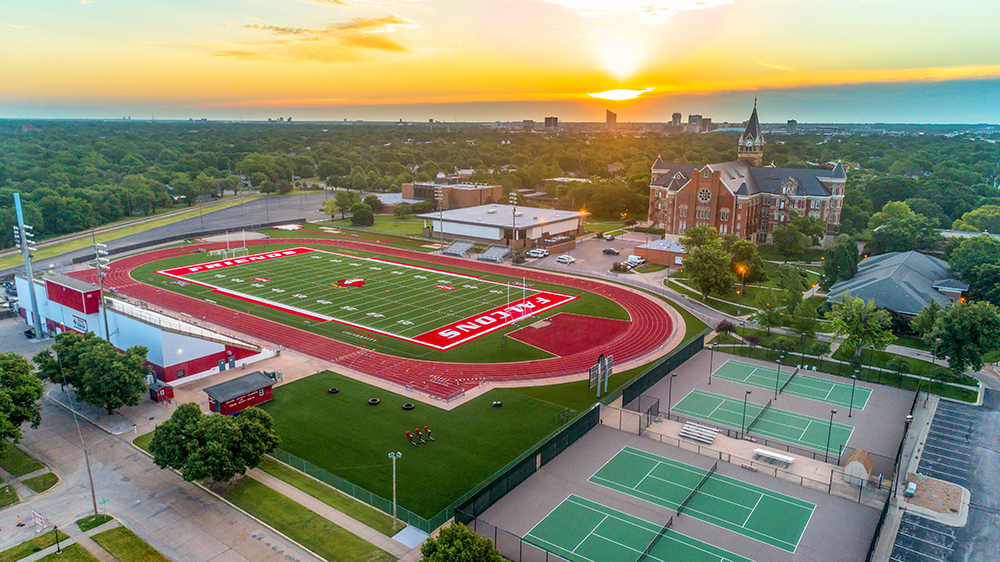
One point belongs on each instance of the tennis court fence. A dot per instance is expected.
(511, 546)
(648, 408)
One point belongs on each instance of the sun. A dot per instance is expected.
(619, 95)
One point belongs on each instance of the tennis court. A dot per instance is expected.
(790, 427)
(581, 530)
(801, 385)
(761, 514)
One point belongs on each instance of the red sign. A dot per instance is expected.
(189, 269)
(262, 279)
(445, 287)
(344, 283)
(481, 324)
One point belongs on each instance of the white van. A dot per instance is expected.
(635, 260)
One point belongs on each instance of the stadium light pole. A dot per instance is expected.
(743, 424)
(777, 376)
(829, 433)
(899, 460)
(394, 456)
(743, 286)
(854, 383)
(670, 391)
(711, 359)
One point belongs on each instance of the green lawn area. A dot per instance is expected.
(302, 525)
(576, 395)
(143, 441)
(384, 224)
(124, 545)
(912, 342)
(330, 496)
(92, 522)
(771, 253)
(17, 462)
(29, 547)
(103, 237)
(8, 496)
(603, 227)
(71, 553)
(324, 429)
(917, 367)
(717, 304)
(41, 483)
(649, 268)
(490, 348)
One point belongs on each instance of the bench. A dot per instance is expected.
(699, 432)
(773, 458)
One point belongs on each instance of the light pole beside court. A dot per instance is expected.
(711, 359)
(670, 392)
(394, 456)
(829, 433)
(743, 331)
(777, 376)
(743, 424)
(899, 461)
(743, 286)
(854, 383)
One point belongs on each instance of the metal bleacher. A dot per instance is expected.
(458, 248)
(494, 254)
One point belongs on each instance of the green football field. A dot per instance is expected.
(801, 385)
(401, 307)
(790, 427)
(740, 507)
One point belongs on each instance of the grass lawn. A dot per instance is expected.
(124, 545)
(717, 304)
(302, 286)
(41, 483)
(912, 342)
(8, 496)
(344, 435)
(603, 227)
(71, 553)
(384, 224)
(330, 496)
(576, 395)
(771, 253)
(15, 461)
(103, 237)
(92, 522)
(300, 524)
(650, 268)
(27, 548)
(143, 441)
(917, 367)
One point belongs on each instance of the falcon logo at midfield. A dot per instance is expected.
(345, 283)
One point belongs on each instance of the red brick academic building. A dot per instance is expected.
(743, 197)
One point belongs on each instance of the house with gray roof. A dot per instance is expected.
(904, 282)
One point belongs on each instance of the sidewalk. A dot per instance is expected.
(83, 539)
(323, 510)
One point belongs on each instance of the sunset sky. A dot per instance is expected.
(482, 60)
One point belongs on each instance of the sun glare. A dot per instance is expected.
(618, 95)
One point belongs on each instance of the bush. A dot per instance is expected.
(631, 222)
(619, 266)
(784, 344)
(518, 258)
(423, 207)
(649, 230)
(374, 203)
(361, 215)
(402, 210)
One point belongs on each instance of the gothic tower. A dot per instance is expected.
(751, 148)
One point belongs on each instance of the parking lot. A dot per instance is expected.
(589, 254)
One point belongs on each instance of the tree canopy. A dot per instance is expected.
(456, 543)
(861, 324)
(968, 330)
(841, 261)
(20, 390)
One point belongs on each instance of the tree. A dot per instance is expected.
(896, 228)
(924, 324)
(793, 282)
(745, 255)
(725, 327)
(111, 379)
(20, 390)
(65, 368)
(800, 234)
(972, 253)
(698, 237)
(330, 208)
(374, 203)
(861, 324)
(983, 219)
(804, 320)
(984, 283)
(213, 446)
(343, 202)
(841, 261)
(753, 340)
(361, 215)
(284, 187)
(456, 543)
(968, 330)
(402, 211)
(708, 269)
(785, 345)
(769, 307)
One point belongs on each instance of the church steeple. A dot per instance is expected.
(751, 147)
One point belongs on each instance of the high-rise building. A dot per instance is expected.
(551, 122)
(676, 119)
(612, 120)
(792, 126)
(706, 124)
(695, 120)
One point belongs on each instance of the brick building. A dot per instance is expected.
(743, 197)
(454, 195)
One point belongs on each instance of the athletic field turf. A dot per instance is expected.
(430, 307)
(803, 385)
(580, 530)
(342, 434)
(752, 511)
(789, 427)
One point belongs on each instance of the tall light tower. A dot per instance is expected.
(394, 457)
(512, 199)
(26, 245)
(101, 253)
(439, 197)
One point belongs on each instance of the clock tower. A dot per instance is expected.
(751, 148)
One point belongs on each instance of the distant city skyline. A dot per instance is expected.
(472, 60)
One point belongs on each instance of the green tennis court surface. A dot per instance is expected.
(580, 530)
(752, 511)
(803, 386)
(792, 428)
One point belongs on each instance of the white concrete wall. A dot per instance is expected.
(179, 348)
(471, 230)
(126, 332)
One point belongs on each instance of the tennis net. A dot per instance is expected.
(696, 488)
(758, 416)
(788, 381)
(656, 539)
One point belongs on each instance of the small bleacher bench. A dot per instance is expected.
(773, 458)
(699, 432)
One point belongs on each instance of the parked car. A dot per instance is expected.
(611, 251)
(11, 291)
(564, 259)
(537, 253)
(636, 261)
(610, 238)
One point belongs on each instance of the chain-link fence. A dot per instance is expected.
(510, 546)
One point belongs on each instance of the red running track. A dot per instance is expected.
(650, 325)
